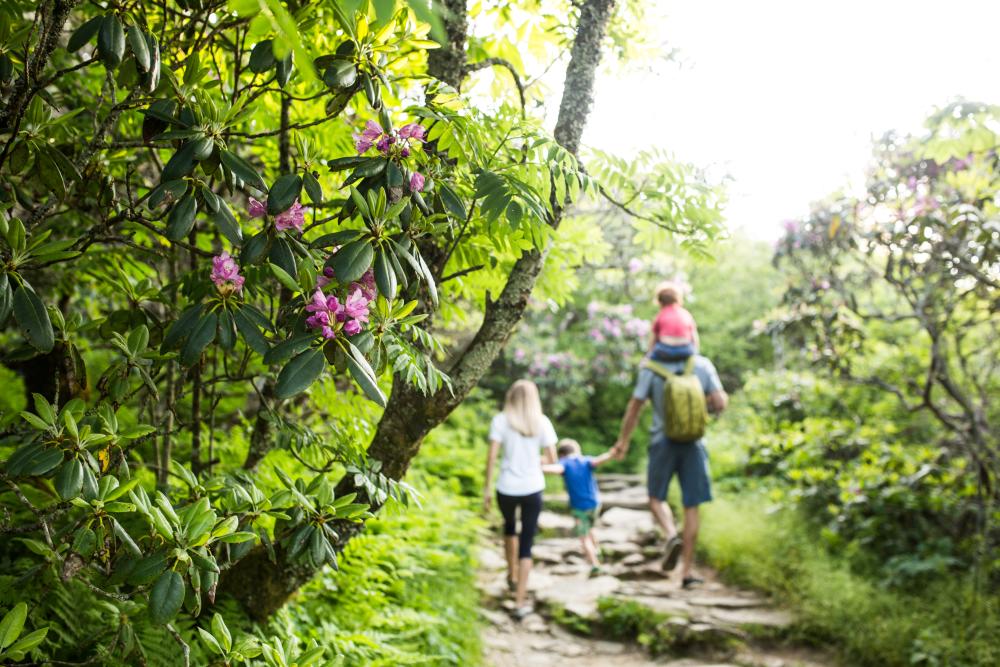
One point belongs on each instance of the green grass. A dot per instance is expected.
(866, 622)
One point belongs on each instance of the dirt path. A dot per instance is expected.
(713, 626)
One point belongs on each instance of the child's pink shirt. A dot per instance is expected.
(674, 321)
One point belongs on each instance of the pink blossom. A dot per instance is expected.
(352, 327)
(325, 310)
(371, 134)
(519, 355)
(417, 182)
(226, 275)
(366, 284)
(294, 217)
(255, 208)
(357, 306)
(635, 265)
(326, 278)
(592, 308)
(412, 131)
(596, 335)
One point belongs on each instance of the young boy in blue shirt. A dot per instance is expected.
(584, 502)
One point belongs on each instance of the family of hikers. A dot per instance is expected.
(682, 386)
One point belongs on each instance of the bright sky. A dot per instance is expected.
(785, 96)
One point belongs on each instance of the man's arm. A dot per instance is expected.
(717, 401)
(629, 422)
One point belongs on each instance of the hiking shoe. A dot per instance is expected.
(522, 612)
(691, 582)
(671, 552)
(511, 585)
(595, 571)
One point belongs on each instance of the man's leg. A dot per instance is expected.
(659, 470)
(691, 523)
(663, 516)
(696, 488)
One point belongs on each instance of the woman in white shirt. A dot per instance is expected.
(521, 432)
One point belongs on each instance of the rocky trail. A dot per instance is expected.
(634, 614)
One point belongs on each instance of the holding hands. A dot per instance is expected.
(619, 450)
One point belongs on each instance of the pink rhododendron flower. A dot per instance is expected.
(417, 182)
(255, 208)
(357, 306)
(366, 284)
(368, 137)
(635, 265)
(325, 310)
(394, 143)
(352, 327)
(412, 131)
(592, 308)
(326, 278)
(226, 275)
(295, 217)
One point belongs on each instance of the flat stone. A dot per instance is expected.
(774, 618)
(579, 597)
(557, 523)
(728, 601)
(664, 605)
(491, 559)
(620, 524)
(633, 498)
(555, 550)
(495, 617)
(633, 559)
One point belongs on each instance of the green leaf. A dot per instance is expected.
(283, 277)
(153, 75)
(180, 222)
(352, 260)
(283, 193)
(203, 334)
(84, 34)
(313, 188)
(262, 57)
(69, 479)
(299, 373)
(111, 41)
(364, 375)
(49, 174)
(251, 334)
(451, 201)
(243, 170)
(181, 163)
(385, 276)
(284, 70)
(33, 318)
(288, 349)
(342, 163)
(28, 642)
(226, 335)
(340, 74)
(182, 326)
(227, 224)
(140, 49)
(12, 624)
(282, 255)
(220, 630)
(166, 597)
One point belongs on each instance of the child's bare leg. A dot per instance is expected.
(589, 551)
(510, 543)
(597, 545)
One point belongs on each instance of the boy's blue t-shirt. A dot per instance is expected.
(578, 474)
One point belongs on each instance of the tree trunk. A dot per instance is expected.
(263, 586)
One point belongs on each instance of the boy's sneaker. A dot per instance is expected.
(671, 552)
(595, 571)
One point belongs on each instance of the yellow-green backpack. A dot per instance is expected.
(685, 412)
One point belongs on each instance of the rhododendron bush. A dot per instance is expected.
(231, 234)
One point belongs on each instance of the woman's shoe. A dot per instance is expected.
(511, 585)
(522, 612)
(691, 582)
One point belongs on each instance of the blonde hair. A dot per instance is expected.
(567, 447)
(523, 408)
(669, 292)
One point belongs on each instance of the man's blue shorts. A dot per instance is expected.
(689, 461)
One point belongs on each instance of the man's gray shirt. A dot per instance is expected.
(649, 386)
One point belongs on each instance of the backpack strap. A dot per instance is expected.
(657, 368)
(689, 366)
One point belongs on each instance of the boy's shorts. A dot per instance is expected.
(585, 520)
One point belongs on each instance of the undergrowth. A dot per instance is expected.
(870, 624)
